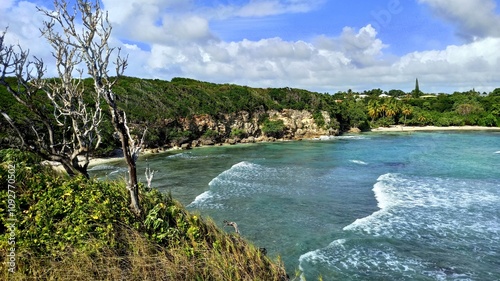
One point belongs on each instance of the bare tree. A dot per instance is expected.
(67, 97)
(92, 42)
(61, 135)
(149, 175)
(234, 225)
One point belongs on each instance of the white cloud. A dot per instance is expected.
(5, 4)
(164, 44)
(474, 18)
(23, 22)
(187, 28)
(261, 8)
(362, 47)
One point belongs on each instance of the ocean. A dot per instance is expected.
(374, 206)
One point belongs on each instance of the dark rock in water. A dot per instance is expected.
(116, 153)
(195, 143)
(207, 142)
(263, 251)
(285, 277)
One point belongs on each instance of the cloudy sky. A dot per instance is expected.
(319, 45)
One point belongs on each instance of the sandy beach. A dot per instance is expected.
(143, 153)
(400, 128)
(397, 128)
(98, 161)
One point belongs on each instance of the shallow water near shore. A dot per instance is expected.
(391, 206)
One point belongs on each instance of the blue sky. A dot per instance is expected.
(319, 45)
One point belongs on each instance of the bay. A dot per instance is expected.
(374, 206)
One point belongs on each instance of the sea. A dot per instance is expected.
(372, 206)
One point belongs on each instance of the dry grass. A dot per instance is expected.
(140, 259)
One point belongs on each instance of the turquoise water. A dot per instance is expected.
(401, 206)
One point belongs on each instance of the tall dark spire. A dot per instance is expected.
(416, 92)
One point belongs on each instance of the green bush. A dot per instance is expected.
(56, 212)
(319, 120)
(210, 134)
(274, 128)
(240, 133)
(82, 229)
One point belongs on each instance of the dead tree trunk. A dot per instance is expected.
(130, 151)
(40, 133)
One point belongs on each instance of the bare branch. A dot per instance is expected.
(234, 225)
(9, 120)
(149, 175)
(92, 44)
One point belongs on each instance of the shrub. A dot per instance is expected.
(240, 133)
(79, 229)
(319, 119)
(274, 128)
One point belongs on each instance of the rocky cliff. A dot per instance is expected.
(245, 127)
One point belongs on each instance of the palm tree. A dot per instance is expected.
(383, 109)
(422, 119)
(392, 108)
(373, 109)
(406, 111)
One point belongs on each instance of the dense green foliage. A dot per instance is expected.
(87, 225)
(154, 101)
(273, 128)
(28, 123)
(162, 106)
(457, 109)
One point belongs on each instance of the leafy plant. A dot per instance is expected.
(273, 128)
(240, 133)
(82, 229)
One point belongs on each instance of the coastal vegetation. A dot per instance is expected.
(165, 107)
(83, 229)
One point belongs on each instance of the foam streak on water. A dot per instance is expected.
(358, 162)
(242, 180)
(434, 216)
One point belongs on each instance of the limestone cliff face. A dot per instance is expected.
(301, 124)
(246, 127)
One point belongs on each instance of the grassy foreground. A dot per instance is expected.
(79, 229)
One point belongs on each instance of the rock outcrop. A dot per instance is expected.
(246, 127)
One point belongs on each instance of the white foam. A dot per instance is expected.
(102, 168)
(497, 152)
(217, 185)
(313, 256)
(352, 137)
(348, 257)
(446, 207)
(358, 162)
(325, 138)
(181, 155)
(243, 180)
(117, 171)
(202, 198)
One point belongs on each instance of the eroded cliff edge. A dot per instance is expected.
(245, 127)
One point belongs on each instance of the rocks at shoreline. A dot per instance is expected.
(246, 127)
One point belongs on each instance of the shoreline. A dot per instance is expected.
(395, 128)
(400, 128)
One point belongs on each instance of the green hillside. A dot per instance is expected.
(59, 228)
(162, 106)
